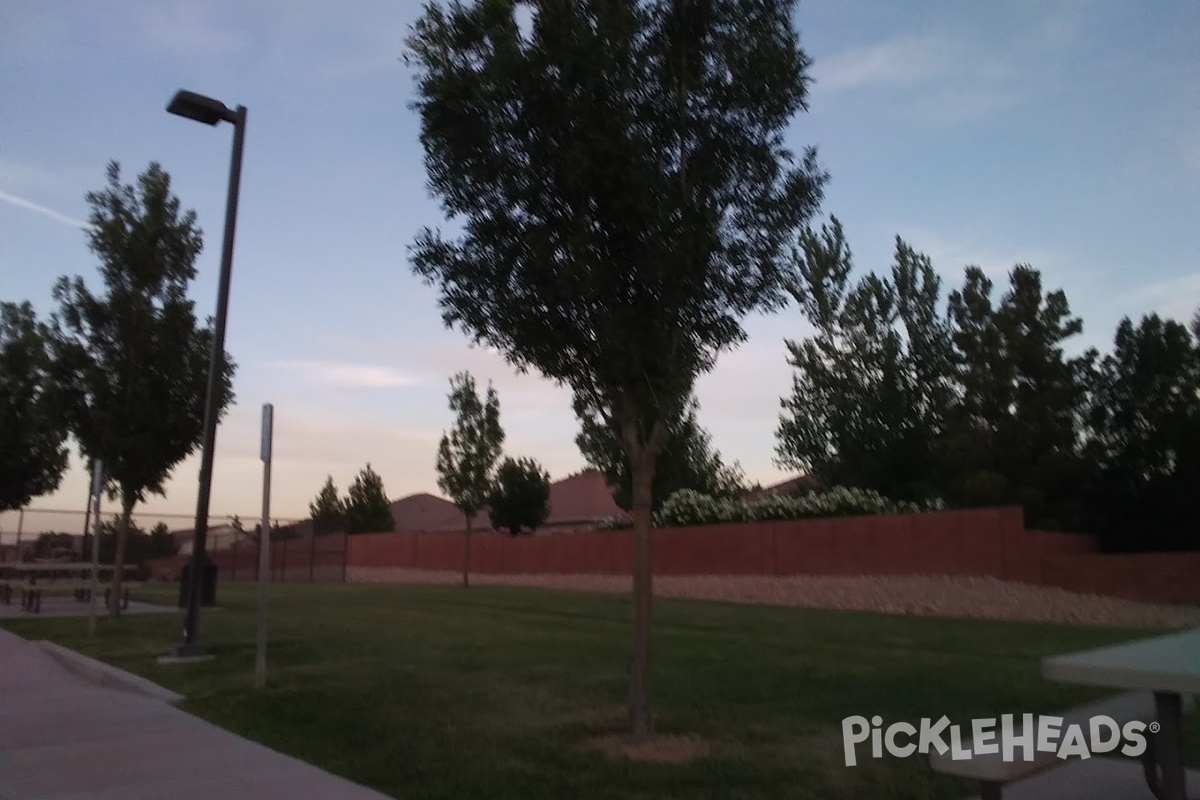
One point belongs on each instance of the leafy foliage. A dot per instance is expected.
(141, 545)
(625, 198)
(33, 452)
(328, 510)
(615, 523)
(468, 453)
(1144, 419)
(133, 362)
(366, 507)
(520, 496)
(687, 460)
(982, 405)
(1013, 436)
(872, 387)
(686, 507)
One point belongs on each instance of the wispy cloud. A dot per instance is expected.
(29, 205)
(955, 74)
(903, 61)
(365, 376)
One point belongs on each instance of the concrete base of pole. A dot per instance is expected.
(186, 654)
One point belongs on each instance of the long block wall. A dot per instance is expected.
(990, 542)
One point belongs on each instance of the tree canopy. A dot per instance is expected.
(366, 506)
(33, 450)
(872, 387)
(468, 453)
(520, 496)
(328, 510)
(1144, 419)
(687, 460)
(625, 197)
(980, 403)
(132, 362)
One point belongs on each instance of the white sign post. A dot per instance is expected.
(97, 485)
(264, 550)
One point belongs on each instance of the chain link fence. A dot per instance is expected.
(162, 543)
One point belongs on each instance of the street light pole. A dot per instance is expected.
(209, 111)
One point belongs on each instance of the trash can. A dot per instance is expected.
(208, 583)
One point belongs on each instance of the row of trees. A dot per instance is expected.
(140, 546)
(364, 509)
(975, 399)
(122, 372)
(622, 197)
(516, 492)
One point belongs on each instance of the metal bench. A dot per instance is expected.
(993, 772)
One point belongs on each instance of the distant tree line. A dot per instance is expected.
(365, 508)
(141, 545)
(977, 401)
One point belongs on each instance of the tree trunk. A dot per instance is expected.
(114, 599)
(640, 720)
(467, 557)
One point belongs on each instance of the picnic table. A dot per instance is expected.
(32, 579)
(1169, 667)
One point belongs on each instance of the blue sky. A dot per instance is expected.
(1065, 135)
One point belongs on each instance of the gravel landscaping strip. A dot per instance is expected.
(984, 598)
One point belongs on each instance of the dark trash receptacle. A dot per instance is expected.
(208, 583)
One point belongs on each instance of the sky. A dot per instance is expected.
(1064, 135)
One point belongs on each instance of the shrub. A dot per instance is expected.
(687, 507)
(617, 523)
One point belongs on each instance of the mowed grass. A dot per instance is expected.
(436, 692)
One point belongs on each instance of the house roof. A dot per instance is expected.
(426, 512)
(583, 497)
(784, 487)
(580, 498)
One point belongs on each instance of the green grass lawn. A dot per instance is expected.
(437, 692)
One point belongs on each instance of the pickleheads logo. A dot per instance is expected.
(1103, 735)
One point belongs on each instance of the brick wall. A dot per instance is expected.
(990, 542)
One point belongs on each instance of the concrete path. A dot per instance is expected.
(59, 606)
(56, 741)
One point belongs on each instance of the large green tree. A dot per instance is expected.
(133, 360)
(33, 450)
(872, 386)
(468, 453)
(1144, 438)
(625, 198)
(520, 496)
(1014, 435)
(687, 460)
(366, 504)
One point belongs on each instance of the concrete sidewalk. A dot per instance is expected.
(56, 742)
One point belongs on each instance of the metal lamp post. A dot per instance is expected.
(209, 111)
